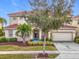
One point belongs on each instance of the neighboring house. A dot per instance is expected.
(75, 22)
(65, 33)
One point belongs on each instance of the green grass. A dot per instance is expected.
(27, 48)
(53, 55)
(23, 56)
(19, 56)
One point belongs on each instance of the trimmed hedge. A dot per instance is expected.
(3, 39)
(39, 43)
(11, 39)
(47, 39)
(77, 39)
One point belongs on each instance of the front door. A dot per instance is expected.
(36, 34)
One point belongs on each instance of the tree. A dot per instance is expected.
(2, 20)
(23, 30)
(48, 16)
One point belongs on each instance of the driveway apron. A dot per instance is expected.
(68, 50)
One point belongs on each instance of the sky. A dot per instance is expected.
(10, 6)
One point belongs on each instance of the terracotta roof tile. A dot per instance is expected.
(20, 13)
(75, 17)
(13, 26)
(68, 26)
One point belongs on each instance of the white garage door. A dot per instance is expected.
(62, 36)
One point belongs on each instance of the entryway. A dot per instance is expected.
(36, 34)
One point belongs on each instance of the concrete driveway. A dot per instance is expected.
(68, 50)
(67, 46)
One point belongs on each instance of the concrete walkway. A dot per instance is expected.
(28, 52)
(36, 52)
(67, 50)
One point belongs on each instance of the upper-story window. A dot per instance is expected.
(14, 18)
(21, 17)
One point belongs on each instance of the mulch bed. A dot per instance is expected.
(21, 44)
(12, 43)
(41, 55)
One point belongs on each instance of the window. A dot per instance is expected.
(10, 33)
(21, 17)
(14, 18)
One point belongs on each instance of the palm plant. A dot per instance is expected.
(23, 30)
(2, 20)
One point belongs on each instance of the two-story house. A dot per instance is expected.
(75, 22)
(65, 33)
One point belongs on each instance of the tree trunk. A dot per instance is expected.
(24, 41)
(44, 44)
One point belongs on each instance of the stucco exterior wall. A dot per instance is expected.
(21, 20)
(18, 20)
(13, 21)
(75, 23)
(7, 34)
(40, 34)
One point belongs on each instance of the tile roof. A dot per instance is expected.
(13, 26)
(68, 26)
(75, 17)
(20, 13)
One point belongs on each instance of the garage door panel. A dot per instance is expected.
(62, 36)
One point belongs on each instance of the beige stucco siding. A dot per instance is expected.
(7, 33)
(18, 20)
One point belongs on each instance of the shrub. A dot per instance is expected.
(3, 39)
(47, 39)
(76, 39)
(11, 39)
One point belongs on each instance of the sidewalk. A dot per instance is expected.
(36, 52)
(62, 54)
(28, 52)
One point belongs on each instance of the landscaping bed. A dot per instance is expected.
(27, 48)
(40, 43)
(11, 44)
(27, 44)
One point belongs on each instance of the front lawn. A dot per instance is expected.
(26, 48)
(23, 56)
(19, 56)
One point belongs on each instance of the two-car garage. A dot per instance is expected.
(68, 33)
(62, 36)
